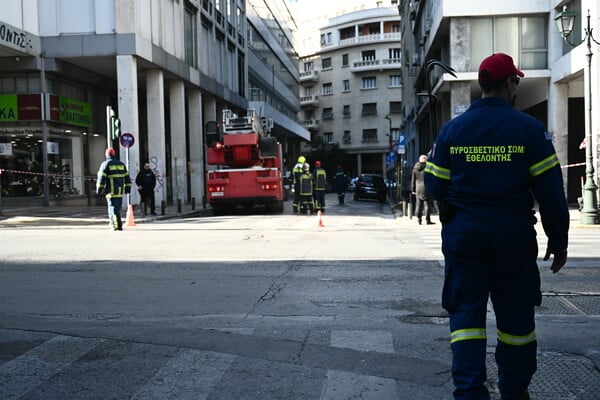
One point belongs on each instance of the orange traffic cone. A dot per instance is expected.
(320, 214)
(129, 220)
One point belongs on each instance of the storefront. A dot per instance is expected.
(67, 122)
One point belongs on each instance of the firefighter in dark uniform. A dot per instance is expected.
(113, 181)
(296, 172)
(340, 181)
(486, 168)
(306, 190)
(320, 186)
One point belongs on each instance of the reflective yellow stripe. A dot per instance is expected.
(543, 166)
(514, 340)
(437, 171)
(467, 334)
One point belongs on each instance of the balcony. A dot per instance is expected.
(310, 123)
(309, 101)
(309, 76)
(379, 37)
(376, 65)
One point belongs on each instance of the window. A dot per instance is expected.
(369, 82)
(344, 60)
(524, 38)
(308, 66)
(395, 54)
(328, 137)
(346, 85)
(369, 135)
(326, 63)
(347, 137)
(369, 109)
(346, 111)
(190, 27)
(327, 89)
(395, 81)
(309, 90)
(368, 55)
(395, 107)
(326, 38)
(327, 113)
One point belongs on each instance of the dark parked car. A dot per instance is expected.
(369, 186)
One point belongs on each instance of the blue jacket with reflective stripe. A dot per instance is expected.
(492, 162)
(113, 179)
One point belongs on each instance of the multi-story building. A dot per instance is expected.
(351, 88)
(460, 33)
(165, 67)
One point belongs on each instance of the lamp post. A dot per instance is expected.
(390, 148)
(589, 212)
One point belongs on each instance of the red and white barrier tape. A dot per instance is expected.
(572, 165)
(55, 175)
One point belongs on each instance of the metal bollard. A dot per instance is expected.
(178, 206)
(162, 207)
(193, 203)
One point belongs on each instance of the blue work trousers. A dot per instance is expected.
(114, 212)
(484, 262)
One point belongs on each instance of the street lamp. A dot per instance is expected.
(589, 212)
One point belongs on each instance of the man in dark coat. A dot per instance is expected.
(146, 182)
(418, 189)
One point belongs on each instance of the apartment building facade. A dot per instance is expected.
(165, 67)
(460, 33)
(351, 89)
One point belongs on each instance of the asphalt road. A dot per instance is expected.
(250, 306)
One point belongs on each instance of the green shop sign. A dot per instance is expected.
(9, 110)
(74, 112)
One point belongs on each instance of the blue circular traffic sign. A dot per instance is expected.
(126, 139)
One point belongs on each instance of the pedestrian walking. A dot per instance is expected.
(487, 167)
(296, 172)
(113, 181)
(320, 186)
(146, 182)
(340, 181)
(418, 189)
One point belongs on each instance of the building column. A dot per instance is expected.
(196, 128)
(558, 123)
(128, 114)
(209, 109)
(178, 142)
(358, 164)
(155, 97)
(460, 98)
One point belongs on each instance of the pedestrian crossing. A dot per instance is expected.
(69, 367)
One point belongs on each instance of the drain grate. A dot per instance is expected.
(570, 305)
(559, 377)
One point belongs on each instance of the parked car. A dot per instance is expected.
(352, 184)
(370, 186)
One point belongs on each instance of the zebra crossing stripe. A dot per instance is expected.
(341, 385)
(191, 374)
(21, 374)
(379, 341)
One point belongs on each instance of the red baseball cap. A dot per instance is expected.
(109, 152)
(498, 66)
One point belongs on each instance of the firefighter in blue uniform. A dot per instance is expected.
(296, 172)
(340, 181)
(113, 181)
(306, 190)
(320, 186)
(486, 168)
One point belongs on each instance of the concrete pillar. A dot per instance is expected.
(155, 92)
(558, 110)
(196, 130)
(128, 114)
(460, 98)
(178, 141)
(209, 107)
(359, 164)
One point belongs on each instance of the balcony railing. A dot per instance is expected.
(306, 76)
(370, 65)
(309, 101)
(310, 123)
(379, 37)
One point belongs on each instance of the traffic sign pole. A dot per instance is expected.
(127, 140)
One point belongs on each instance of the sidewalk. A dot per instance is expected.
(87, 215)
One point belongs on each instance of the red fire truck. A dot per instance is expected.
(248, 162)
